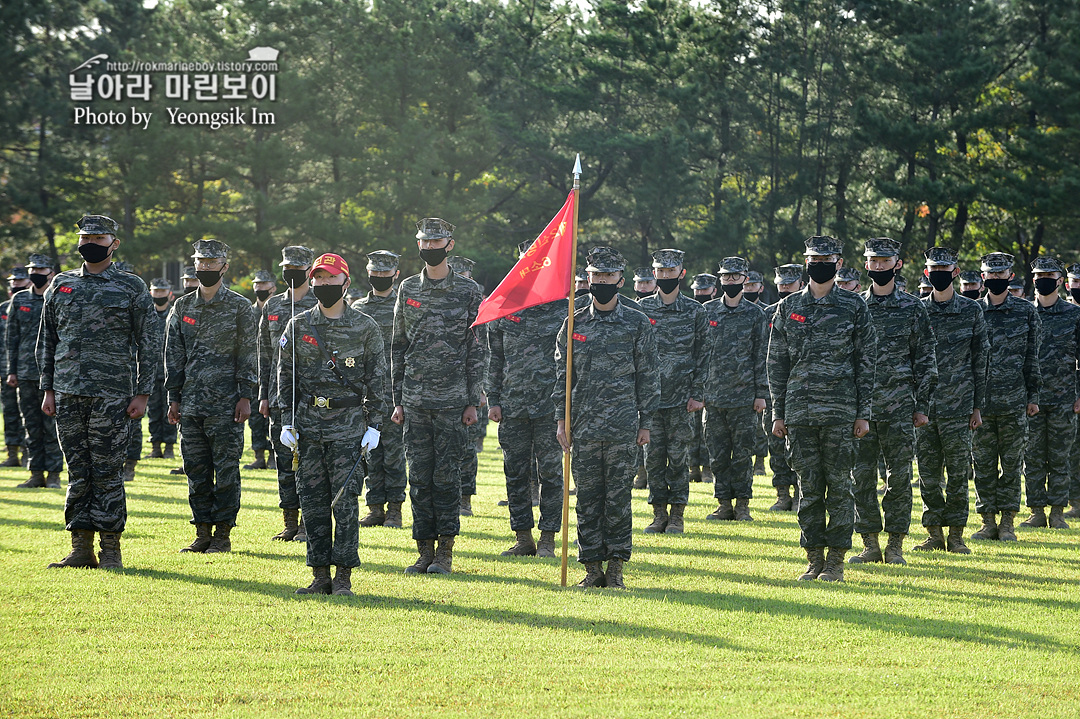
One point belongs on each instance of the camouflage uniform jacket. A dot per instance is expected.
(24, 320)
(737, 346)
(437, 361)
(1013, 378)
(1059, 353)
(90, 326)
(962, 349)
(210, 355)
(275, 315)
(521, 360)
(380, 309)
(681, 346)
(822, 354)
(906, 359)
(4, 307)
(355, 342)
(615, 386)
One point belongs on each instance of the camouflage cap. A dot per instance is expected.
(189, 274)
(755, 276)
(704, 281)
(1016, 284)
(382, 261)
(160, 283)
(848, 274)
(262, 276)
(644, 274)
(901, 283)
(460, 265)
(997, 262)
(19, 273)
(38, 260)
(581, 274)
(788, 274)
(971, 277)
(924, 281)
(297, 255)
(209, 250)
(941, 256)
(605, 259)
(434, 228)
(733, 266)
(667, 258)
(882, 247)
(97, 225)
(821, 245)
(1073, 271)
(1047, 264)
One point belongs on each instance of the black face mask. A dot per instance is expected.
(39, 280)
(328, 295)
(702, 298)
(821, 272)
(996, 286)
(784, 294)
(1046, 286)
(604, 293)
(641, 294)
(1075, 294)
(433, 258)
(261, 295)
(209, 278)
(188, 290)
(940, 279)
(93, 253)
(668, 286)
(381, 284)
(882, 277)
(294, 278)
(581, 292)
(732, 290)
(971, 294)
(924, 291)
(161, 301)
(751, 296)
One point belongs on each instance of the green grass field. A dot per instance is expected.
(714, 622)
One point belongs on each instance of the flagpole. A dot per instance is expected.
(569, 374)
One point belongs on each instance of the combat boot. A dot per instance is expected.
(271, 459)
(613, 576)
(783, 500)
(321, 583)
(12, 457)
(1074, 508)
(52, 480)
(393, 515)
(202, 538)
(723, 512)
(955, 542)
(546, 546)
(523, 547)
(342, 585)
(260, 461)
(129, 469)
(110, 558)
(82, 550)
(220, 543)
(675, 523)
(894, 550)
(594, 576)
(155, 453)
(1037, 518)
(871, 550)
(465, 508)
(1057, 518)
(742, 510)
(815, 557)
(168, 452)
(936, 540)
(1006, 533)
(301, 531)
(375, 517)
(659, 519)
(291, 517)
(695, 474)
(759, 466)
(707, 475)
(37, 479)
(444, 556)
(989, 529)
(641, 481)
(834, 566)
(426, 548)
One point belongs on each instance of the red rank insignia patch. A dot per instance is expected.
(579, 338)
(189, 320)
(513, 318)
(714, 323)
(652, 320)
(24, 309)
(310, 340)
(797, 317)
(412, 303)
(65, 290)
(272, 318)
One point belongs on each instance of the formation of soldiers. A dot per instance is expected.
(836, 384)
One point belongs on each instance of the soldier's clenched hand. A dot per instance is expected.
(48, 403)
(495, 413)
(468, 417)
(560, 434)
(779, 429)
(759, 405)
(976, 420)
(137, 407)
(399, 415)
(861, 429)
(264, 407)
(642, 437)
(1032, 410)
(692, 405)
(242, 411)
(174, 413)
(919, 420)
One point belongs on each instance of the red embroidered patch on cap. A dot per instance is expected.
(272, 318)
(797, 317)
(579, 338)
(65, 290)
(310, 340)
(412, 303)
(189, 320)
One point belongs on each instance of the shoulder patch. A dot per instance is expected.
(283, 341)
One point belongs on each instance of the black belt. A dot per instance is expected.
(335, 402)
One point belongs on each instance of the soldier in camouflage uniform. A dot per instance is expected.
(262, 282)
(211, 374)
(162, 432)
(340, 374)
(438, 367)
(925, 288)
(704, 287)
(680, 326)
(94, 318)
(1073, 285)
(901, 283)
(1013, 380)
(849, 278)
(615, 394)
(945, 443)
(735, 388)
(902, 395)
(520, 375)
(135, 442)
(14, 434)
(581, 284)
(1016, 287)
(475, 433)
(1052, 432)
(788, 279)
(971, 284)
(189, 280)
(752, 288)
(822, 352)
(23, 374)
(386, 480)
(295, 262)
(644, 286)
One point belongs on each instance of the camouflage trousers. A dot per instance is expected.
(999, 442)
(761, 443)
(286, 477)
(1051, 436)
(822, 456)
(211, 448)
(434, 448)
(42, 446)
(332, 534)
(783, 476)
(944, 445)
(94, 435)
(530, 450)
(14, 434)
(470, 464)
(260, 432)
(134, 448)
(386, 471)
(730, 435)
(157, 416)
(604, 475)
(896, 441)
(1074, 472)
(699, 452)
(666, 456)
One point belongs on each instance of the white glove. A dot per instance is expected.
(289, 437)
(371, 440)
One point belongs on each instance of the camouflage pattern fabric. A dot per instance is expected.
(962, 350)
(13, 429)
(1046, 461)
(667, 455)
(134, 448)
(530, 448)
(822, 457)
(896, 441)
(943, 446)
(997, 451)
(737, 342)
(1059, 352)
(94, 433)
(730, 434)
(783, 475)
(604, 474)
(682, 348)
(1013, 375)
(699, 451)
(333, 535)
(434, 447)
(260, 431)
(24, 320)
(157, 408)
(1074, 472)
(42, 444)
(211, 448)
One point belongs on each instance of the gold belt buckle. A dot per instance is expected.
(323, 402)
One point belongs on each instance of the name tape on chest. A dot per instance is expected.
(273, 318)
(310, 340)
(713, 323)
(578, 337)
(412, 303)
(797, 317)
(189, 320)
(23, 309)
(65, 290)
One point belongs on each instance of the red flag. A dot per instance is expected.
(541, 275)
